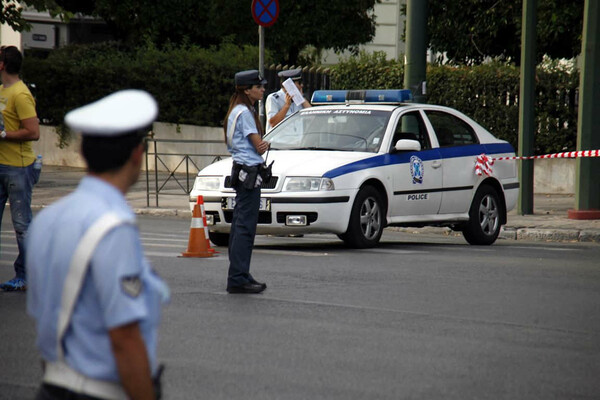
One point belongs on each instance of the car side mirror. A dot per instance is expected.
(407, 145)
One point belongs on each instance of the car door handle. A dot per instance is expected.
(436, 164)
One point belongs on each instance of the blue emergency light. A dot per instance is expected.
(389, 96)
(329, 97)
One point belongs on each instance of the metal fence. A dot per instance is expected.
(174, 180)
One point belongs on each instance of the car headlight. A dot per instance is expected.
(304, 184)
(207, 183)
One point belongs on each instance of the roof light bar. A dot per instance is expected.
(388, 96)
(329, 97)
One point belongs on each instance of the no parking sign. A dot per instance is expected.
(265, 12)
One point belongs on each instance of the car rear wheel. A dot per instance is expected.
(484, 225)
(366, 220)
(219, 238)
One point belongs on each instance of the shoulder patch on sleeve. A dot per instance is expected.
(131, 285)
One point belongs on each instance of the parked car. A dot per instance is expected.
(359, 161)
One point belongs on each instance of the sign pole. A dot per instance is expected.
(265, 13)
(261, 69)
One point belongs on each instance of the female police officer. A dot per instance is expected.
(92, 293)
(243, 133)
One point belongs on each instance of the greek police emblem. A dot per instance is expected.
(131, 285)
(416, 170)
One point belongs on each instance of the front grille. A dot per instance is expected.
(264, 217)
(265, 185)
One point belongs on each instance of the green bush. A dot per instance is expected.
(368, 71)
(192, 85)
(487, 93)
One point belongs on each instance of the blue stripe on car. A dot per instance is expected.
(425, 155)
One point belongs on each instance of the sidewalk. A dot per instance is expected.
(548, 223)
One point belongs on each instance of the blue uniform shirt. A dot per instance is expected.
(275, 102)
(241, 149)
(105, 301)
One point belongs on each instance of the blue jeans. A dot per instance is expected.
(241, 235)
(16, 185)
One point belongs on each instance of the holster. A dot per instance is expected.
(235, 173)
(245, 175)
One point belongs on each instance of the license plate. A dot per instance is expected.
(228, 203)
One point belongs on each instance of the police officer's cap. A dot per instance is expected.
(114, 115)
(248, 78)
(294, 74)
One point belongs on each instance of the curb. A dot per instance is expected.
(551, 235)
(512, 233)
(163, 212)
(158, 212)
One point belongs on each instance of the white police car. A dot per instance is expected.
(364, 160)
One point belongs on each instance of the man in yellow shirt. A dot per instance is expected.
(19, 126)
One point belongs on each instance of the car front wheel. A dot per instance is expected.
(484, 225)
(366, 220)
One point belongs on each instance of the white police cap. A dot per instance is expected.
(115, 114)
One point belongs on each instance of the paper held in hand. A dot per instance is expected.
(293, 91)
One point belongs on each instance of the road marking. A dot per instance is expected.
(469, 248)
(160, 254)
(392, 251)
(167, 235)
(177, 246)
(164, 240)
(550, 248)
(175, 255)
(293, 253)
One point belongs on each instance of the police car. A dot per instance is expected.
(359, 161)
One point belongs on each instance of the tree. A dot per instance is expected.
(336, 24)
(12, 12)
(11, 15)
(468, 31)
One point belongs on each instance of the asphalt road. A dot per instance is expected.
(420, 317)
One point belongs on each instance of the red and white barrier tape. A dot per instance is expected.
(483, 164)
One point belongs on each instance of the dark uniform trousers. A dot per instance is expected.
(241, 236)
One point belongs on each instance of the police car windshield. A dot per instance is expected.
(333, 130)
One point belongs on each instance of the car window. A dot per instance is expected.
(411, 126)
(451, 130)
(342, 129)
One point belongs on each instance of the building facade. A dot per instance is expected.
(388, 33)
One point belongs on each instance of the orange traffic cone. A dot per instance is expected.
(199, 243)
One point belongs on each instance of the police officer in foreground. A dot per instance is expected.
(280, 104)
(94, 298)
